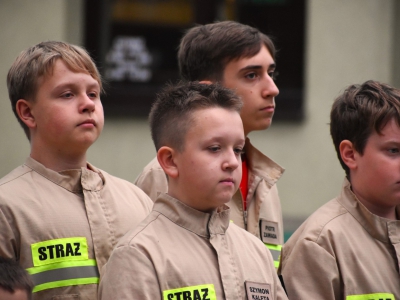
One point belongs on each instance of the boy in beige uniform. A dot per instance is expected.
(350, 247)
(242, 58)
(187, 248)
(60, 217)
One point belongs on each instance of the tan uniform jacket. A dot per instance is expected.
(63, 226)
(264, 206)
(178, 252)
(343, 251)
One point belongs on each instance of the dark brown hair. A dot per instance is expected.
(38, 61)
(14, 277)
(205, 50)
(359, 111)
(171, 114)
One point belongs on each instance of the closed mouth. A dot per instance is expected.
(90, 121)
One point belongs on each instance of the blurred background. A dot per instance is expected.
(324, 46)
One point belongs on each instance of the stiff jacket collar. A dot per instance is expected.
(262, 166)
(75, 180)
(200, 223)
(385, 230)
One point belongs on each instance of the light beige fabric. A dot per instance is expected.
(38, 204)
(177, 247)
(263, 199)
(340, 250)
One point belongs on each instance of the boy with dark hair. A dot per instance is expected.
(350, 247)
(15, 283)
(60, 216)
(242, 58)
(187, 248)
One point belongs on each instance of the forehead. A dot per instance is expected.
(61, 72)
(215, 122)
(261, 59)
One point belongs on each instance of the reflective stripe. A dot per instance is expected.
(204, 291)
(64, 274)
(276, 253)
(378, 296)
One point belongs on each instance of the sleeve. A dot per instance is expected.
(310, 272)
(153, 182)
(129, 275)
(7, 239)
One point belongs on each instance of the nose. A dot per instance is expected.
(86, 104)
(269, 87)
(231, 161)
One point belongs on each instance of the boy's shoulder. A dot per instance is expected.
(342, 218)
(152, 180)
(14, 181)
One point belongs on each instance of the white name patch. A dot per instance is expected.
(269, 232)
(258, 291)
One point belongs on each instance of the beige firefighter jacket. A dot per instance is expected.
(62, 227)
(178, 252)
(263, 217)
(343, 251)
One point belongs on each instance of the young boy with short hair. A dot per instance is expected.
(242, 58)
(350, 247)
(15, 283)
(60, 216)
(187, 248)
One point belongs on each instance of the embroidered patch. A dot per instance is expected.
(59, 250)
(196, 292)
(258, 291)
(377, 296)
(269, 232)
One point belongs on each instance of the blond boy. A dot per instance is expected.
(60, 216)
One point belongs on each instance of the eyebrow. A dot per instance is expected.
(252, 67)
(72, 84)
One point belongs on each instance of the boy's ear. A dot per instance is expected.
(24, 111)
(166, 159)
(348, 154)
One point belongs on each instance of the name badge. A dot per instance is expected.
(269, 232)
(59, 250)
(258, 291)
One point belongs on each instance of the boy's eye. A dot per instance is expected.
(214, 148)
(238, 151)
(251, 75)
(394, 150)
(67, 95)
(273, 74)
(92, 95)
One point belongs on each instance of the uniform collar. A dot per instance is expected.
(261, 165)
(75, 180)
(382, 229)
(202, 224)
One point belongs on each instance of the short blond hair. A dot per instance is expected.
(39, 60)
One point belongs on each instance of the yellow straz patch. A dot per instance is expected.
(378, 296)
(59, 250)
(196, 292)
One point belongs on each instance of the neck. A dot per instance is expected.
(383, 211)
(58, 161)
